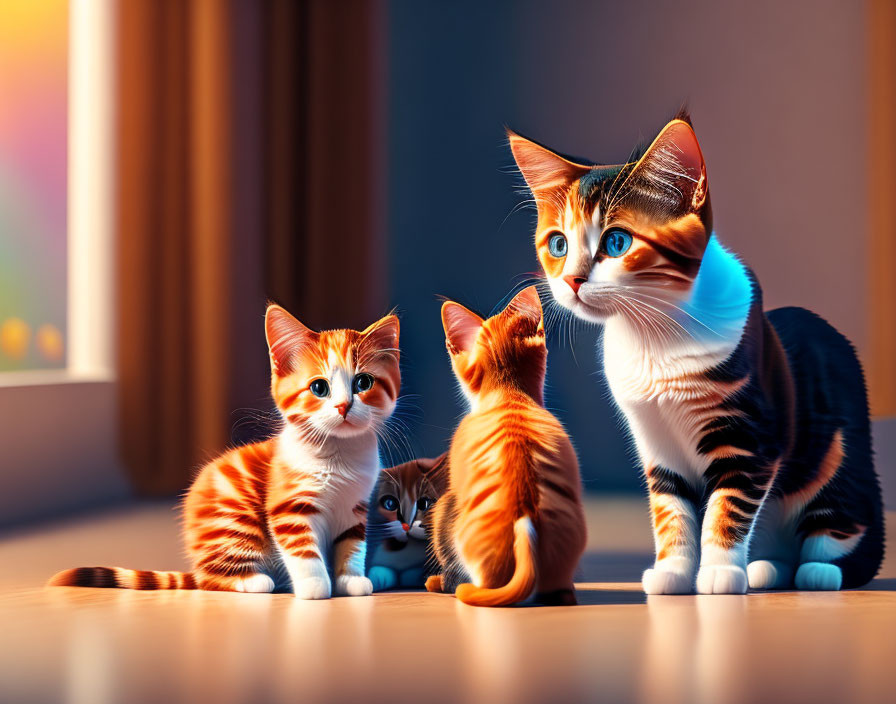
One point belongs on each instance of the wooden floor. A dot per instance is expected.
(95, 646)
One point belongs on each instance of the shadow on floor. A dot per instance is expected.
(613, 567)
(879, 585)
(606, 597)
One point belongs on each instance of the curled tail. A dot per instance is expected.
(121, 578)
(521, 583)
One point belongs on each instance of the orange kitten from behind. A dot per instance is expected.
(512, 521)
(289, 512)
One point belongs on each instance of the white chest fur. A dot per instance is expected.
(344, 471)
(658, 384)
(663, 400)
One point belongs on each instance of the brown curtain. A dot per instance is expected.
(882, 206)
(251, 165)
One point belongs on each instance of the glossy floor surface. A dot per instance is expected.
(65, 644)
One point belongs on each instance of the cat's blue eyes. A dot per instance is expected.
(390, 503)
(558, 246)
(424, 503)
(616, 242)
(362, 382)
(320, 388)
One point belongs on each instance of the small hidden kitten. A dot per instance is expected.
(512, 521)
(752, 427)
(398, 524)
(290, 513)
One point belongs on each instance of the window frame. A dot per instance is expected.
(59, 429)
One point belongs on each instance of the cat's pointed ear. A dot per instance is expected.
(674, 167)
(461, 327)
(425, 464)
(542, 169)
(383, 334)
(286, 339)
(527, 303)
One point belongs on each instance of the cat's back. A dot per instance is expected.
(511, 432)
(827, 376)
(810, 340)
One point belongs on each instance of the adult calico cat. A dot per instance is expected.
(290, 513)
(752, 427)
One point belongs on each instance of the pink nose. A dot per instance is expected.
(405, 527)
(343, 408)
(574, 282)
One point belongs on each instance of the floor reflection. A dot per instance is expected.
(696, 649)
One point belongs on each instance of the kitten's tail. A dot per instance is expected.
(121, 578)
(521, 583)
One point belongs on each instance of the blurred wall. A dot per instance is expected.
(778, 99)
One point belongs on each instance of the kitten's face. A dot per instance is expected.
(506, 349)
(334, 383)
(405, 494)
(614, 239)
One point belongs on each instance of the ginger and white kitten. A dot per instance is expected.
(752, 427)
(290, 513)
(511, 524)
(398, 546)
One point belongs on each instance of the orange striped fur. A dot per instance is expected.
(289, 512)
(512, 521)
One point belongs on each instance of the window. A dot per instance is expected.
(33, 183)
(57, 70)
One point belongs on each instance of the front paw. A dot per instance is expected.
(722, 579)
(353, 585)
(666, 580)
(312, 588)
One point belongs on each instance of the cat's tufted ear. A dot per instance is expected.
(287, 337)
(461, 327)
(542, 169)
(383, 335)
(674, 169)
(528, 304)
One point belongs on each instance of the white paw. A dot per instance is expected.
(312, 588)
(818, 576)
(721, 579)
(256, 584)
(769, 574)
(662, 580)
(353, 585)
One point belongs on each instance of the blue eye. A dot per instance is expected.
(362, 382)
(617, 242)
(320, 388)
(558, 246)
(390, 503)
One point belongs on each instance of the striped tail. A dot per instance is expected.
(521, 583)
(122, 578)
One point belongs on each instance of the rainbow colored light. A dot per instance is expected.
(33, 182)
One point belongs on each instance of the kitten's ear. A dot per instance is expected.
(425, 464)
(674, 166)
(461, 327)
(383, 334)
(528, 303)
(286, 339)
(542, 169)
